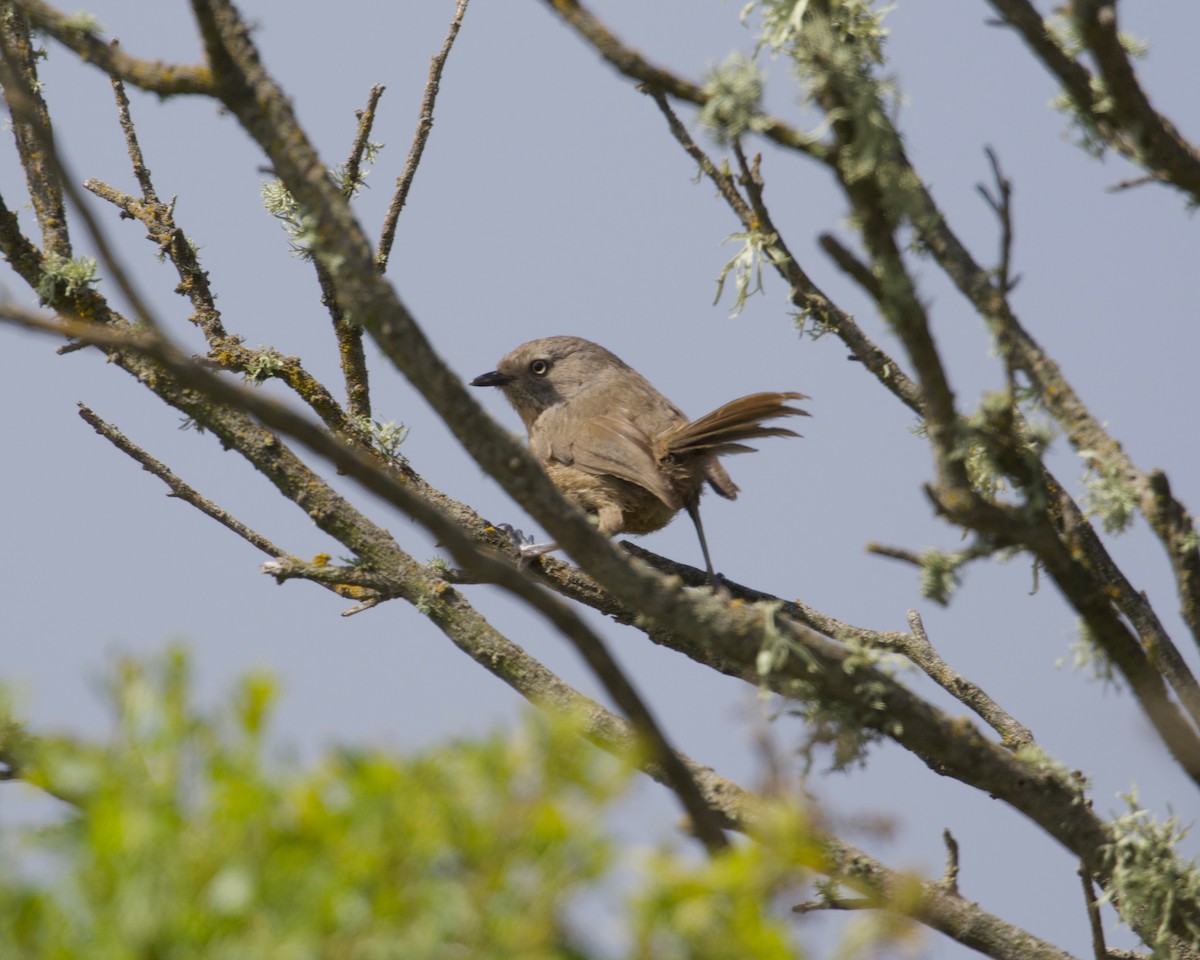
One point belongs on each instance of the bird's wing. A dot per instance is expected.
(613, 446)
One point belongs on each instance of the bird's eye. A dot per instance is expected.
(539, 368)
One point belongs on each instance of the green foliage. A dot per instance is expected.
(715, 909)
(185, 843)
(181, 839)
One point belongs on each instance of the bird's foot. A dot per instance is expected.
(516, 537)
(527, 549)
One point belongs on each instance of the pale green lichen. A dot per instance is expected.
(298, 223)
(341, 175)
(939, 575)
(1149, 879)
(1109, 495)
(1086, 656)
(746, 266)
(264, 364)
(83, 22)
(733, 98)
(386, 435)
(65, 278)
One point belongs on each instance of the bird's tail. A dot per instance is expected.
(723, 431)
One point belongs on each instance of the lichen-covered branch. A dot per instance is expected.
(156, 76)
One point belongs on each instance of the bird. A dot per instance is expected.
(615, 446)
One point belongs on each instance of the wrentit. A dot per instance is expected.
(617, 447)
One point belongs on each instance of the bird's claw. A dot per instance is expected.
(516, 537)
(527, 548)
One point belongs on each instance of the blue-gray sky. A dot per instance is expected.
(552, 201)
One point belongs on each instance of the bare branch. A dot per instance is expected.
(177, 486)
(918, 649)
(903, 554)
(1001, 204)
(157, 76)
(1099, 950)
(949, 881)
(349, 335)
(140, 171)
(657, 79)
(420, 138)
(850, 265)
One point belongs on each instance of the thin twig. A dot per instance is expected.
(352, 171)
(902, 554)
(1092, 905)
(921, 652)
(1001, 204)
(351, 355)
(140, 171)
(1132, 182)
(225, 351)
(661, 81)
(177, 486)
(949, 881)
(420, 138)
(836, 903)
(158, 76)
(850, 265)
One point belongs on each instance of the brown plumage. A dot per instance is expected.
(616, 446)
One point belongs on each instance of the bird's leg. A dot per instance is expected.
(693, 509)
(531, 551)
(526, 549)
(609, 520)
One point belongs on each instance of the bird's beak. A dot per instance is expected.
(493, 379)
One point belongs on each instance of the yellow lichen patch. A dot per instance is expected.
(321, 559)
